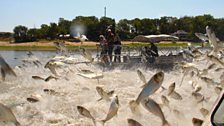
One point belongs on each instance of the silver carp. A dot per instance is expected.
(113, 109)
(151, 87)
(150, 105)
(84, 112)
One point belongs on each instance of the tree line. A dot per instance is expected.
(92, 27)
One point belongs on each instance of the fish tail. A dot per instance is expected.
(165, 123)
(133, 106)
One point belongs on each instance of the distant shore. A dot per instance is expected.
(48, 45)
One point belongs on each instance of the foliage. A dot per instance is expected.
(20, 33)
(92, 27)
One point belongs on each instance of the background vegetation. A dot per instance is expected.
(92, 27)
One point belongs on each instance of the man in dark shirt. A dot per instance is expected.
(154, 50)
(110, 41)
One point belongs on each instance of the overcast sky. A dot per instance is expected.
(33, 13)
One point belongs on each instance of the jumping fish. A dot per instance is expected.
(37, 78)
(83, 111)
(86, 54)
(86, 71)
(5, 68)
(154, 108)
(218, 89)
(197, 122)
(151, 87)
(213, 40)
(212, 66)
(50, 77)
(132, 122)
(172, 93)
(104, 95)
(51, 66)
(208, 80)
(6, 115)
(204, 111)
(171, 88)
(141, 76)
(187, 67)
(219, 69)
(113, 109)
(199, 97)
(50, 91)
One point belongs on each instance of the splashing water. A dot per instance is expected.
(61, 109)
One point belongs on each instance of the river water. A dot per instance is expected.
(73, 90)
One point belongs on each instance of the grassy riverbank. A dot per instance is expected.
(48, 45)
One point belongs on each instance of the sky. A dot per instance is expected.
(33, 13)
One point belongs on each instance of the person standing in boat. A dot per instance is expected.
(110, 41)
(154, 50)
(104, 48)
(117, 48)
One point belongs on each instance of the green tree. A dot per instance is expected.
(64, 26)
(200, 23)
(53, 31)
(44, 30)
(185, 23)
(219, 28)
(104, 23)
(87, 25)
(123, 28)
(20, 33)
(148, 27)
(136, 26)
(167, 25)
(33, 34)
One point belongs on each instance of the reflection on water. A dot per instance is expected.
(60, 109)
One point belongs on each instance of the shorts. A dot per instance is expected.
(110, 49)
(104, 50)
